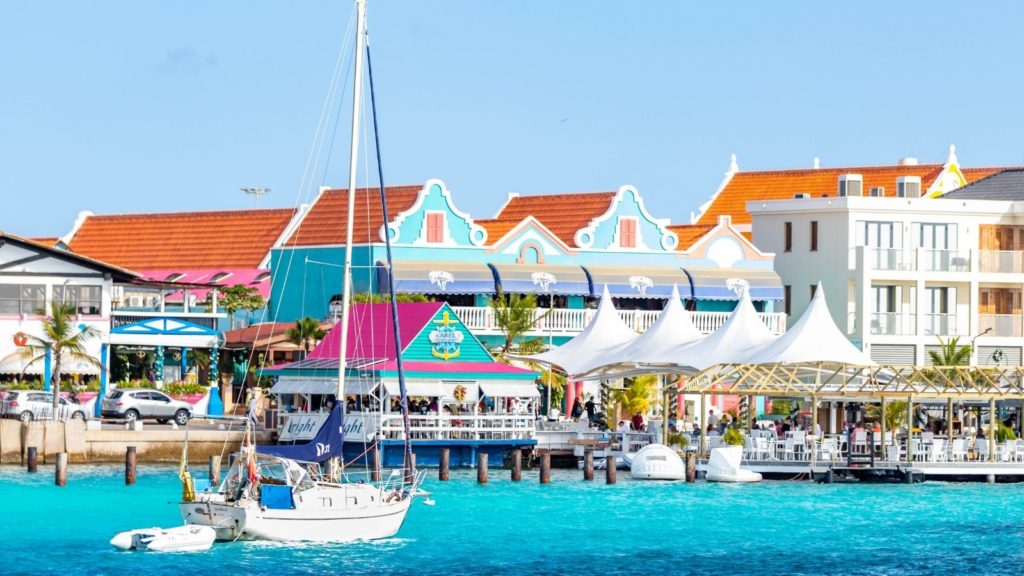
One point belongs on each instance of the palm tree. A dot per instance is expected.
(239, 297)
(63, 339)
(305, 332)
(951, 353)
(638, 395)
(516, 315)
(895, 414)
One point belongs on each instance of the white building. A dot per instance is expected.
(902, 270)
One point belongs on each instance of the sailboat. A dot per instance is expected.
(278, 493)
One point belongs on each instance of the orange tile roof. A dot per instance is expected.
(325, 221)
(47, 240)
(496, 229)
(782, 184)
(689, 234)
(213, 239)
(562, 214)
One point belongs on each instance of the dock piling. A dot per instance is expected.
(375, 470)
(62, 469)
(32, 459)
(610, 471)
(588, 464)
(481, 468)
(442, 468)
(545, 468)
(517, 465)
(130, 459)
(691, 466)
(214, 469)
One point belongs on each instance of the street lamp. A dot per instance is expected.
(257, 192)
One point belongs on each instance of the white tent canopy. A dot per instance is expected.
(606, 334)
(742, 333)
(673, 328)
(814, 338)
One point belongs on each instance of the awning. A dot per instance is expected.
(510, 389)
(435, 277)
(638, 282)
(443, 390)
(297, 385)
(714, 283)
(542, 279)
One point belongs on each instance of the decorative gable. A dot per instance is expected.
(445, 338)
(627, 226)
(433, 220)
(724, 246)
(530, 242)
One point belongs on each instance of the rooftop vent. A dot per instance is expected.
(908, 161)
(851, 185)
(878, 191)
(908, 187)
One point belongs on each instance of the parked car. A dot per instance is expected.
(134, 404)
(29, 405)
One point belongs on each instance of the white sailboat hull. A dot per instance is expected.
(334, 514)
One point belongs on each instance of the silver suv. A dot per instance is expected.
(29, 405)
(137, 403)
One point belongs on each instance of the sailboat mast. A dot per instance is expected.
(346, 294)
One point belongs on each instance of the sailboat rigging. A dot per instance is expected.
(273, 492)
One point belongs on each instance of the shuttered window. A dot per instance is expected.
(435, 227)
(627, 232)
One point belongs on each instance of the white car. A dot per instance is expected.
(29, 405)
(133, 404)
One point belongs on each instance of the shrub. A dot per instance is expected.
(184, 388)
(678, 439)
(733, 437)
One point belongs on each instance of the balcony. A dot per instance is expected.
(122, 317)
(564, 321)
(944, 325)
(1001, 261)
(917, 260)
(1005, 325)
(893, 324)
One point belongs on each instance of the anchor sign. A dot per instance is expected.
(445, 339)
(441, 278)
(640, 284)
(544, 280)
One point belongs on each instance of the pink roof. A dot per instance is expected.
(369, 330)
(455, 368)
(235, 276)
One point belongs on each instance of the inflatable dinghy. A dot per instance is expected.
(190, 538)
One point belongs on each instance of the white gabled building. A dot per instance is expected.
(912, 268)
(32, 274)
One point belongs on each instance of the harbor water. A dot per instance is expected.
(566, 527)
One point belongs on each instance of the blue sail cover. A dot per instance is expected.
(325, 445)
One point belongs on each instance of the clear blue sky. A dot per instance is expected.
(160, 105)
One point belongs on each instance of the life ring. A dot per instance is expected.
(20, 339)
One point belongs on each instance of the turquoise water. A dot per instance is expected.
(568, 526)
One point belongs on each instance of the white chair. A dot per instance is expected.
(981, 448)
(937, 450)
(828, 449)
(860, 442)
(894, 452)
(958, 450)
(761, 448)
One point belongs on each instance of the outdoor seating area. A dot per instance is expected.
(766, 445)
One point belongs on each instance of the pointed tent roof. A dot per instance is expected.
(672, 329)
(606, 333)
(740, 334)
(814, 338)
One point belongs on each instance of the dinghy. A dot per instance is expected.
(657, 462)
(724, 466)
(192, 538)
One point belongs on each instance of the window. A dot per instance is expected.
(851, 185)
(87, 300)
(627, 232)
(435, 227)
(814, 235)
(908, 187)
(789, 237)
(939, 298)
(878, 234)
(789, 299)
(886, 298)
(937, 236)
(174, 277)
(16, 299)
(220, 276)
(877, 191)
